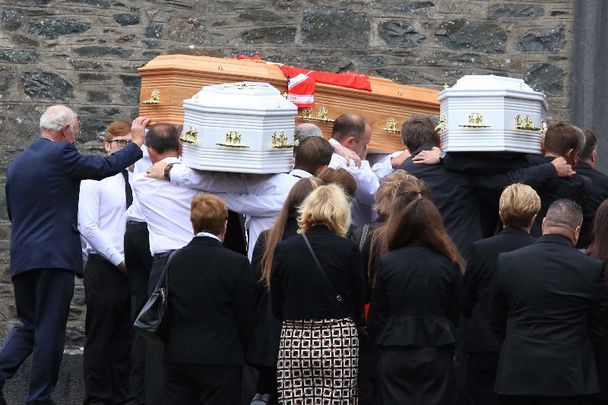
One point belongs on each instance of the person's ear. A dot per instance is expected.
(575, 234)
(570, 157)
(542, 226)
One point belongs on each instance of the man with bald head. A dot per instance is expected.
(42, 189)
(547, 303)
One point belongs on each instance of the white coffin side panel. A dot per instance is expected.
(256, 111)
(499, 101)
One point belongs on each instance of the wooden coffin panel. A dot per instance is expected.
(178, 77)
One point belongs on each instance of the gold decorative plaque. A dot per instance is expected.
(280, 140)
(475, 121)
(233, 140)
(154, 97)
(308, 115)
(543, 126)
(190, 136)
(391, 126)
(525, 123)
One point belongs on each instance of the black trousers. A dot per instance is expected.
(187, 384)
(42, 298)
(482, 376)
(154, 351)
(108, 327)
(139, 262)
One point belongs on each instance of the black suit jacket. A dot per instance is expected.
(545, 302)
(599, 192)
(576, 188)
(42, 187)
(474, 326)
(454, 196)
(298, 289)
(211, 305)
(415, 299)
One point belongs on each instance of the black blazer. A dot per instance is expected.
(299, 291)
(576, 188)
(474, 326)
(415, 300)
(545, 302)
(599, 192)
(454, 196)
(211, 305)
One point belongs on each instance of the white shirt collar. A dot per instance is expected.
(303, 174)
(209, 235)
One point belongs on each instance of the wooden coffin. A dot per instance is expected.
(169, 79)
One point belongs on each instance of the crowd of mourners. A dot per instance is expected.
(418, 277)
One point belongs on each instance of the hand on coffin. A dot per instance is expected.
(398, 160)
(428, 157)
(562, 167)
(348, 154)
(157, 171)
(138, 128)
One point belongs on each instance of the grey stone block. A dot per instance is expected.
(399, 33)
(546, 78)
(46, 85)
(54, 28)
(514, 11)
(11, 19)
(478, 35)
(18, 56)
(338, 27)
(552, 40)
(126, 19)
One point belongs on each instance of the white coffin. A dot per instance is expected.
(491, 113)
(244, 127)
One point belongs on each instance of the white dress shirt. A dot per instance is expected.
(367, 185)
(259, 197)
(141, 166)
(102, 217)
(166, 209)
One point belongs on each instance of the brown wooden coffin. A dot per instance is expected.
(169, 79)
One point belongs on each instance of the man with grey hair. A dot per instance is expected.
(553, 299)
(306, 130)
(42, 188)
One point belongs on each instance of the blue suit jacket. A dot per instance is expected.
(42, 187)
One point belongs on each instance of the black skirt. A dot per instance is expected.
(416, 375)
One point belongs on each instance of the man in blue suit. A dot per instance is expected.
(42, 187)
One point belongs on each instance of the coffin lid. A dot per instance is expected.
(491, 85)
(245, 96)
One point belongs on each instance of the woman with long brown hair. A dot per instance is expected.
(414, 306)
(264, 347)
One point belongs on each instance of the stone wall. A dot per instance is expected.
(85, 53)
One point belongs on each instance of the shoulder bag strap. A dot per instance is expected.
(329, 284)
(363, 239)
(164, 276)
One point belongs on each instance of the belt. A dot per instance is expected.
(163, 254)
(135, 223)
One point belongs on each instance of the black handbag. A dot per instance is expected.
(361, 330)
(151, 322)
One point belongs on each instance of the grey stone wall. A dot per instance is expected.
(85, 53)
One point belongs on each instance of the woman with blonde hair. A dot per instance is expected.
(317, 292)
(264, 346)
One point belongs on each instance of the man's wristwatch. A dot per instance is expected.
(167, 172)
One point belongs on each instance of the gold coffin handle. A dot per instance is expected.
(233, 140)
(190, 136)
(154, 97)
(280, 140)
(391, 126)
(525, 123)
(475, 121)
(322, 115)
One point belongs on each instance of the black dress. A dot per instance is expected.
(412, 319)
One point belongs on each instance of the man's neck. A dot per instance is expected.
(53, 136)
(589, 162)
(170, 154)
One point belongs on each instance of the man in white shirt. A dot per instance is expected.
(354, 133)
(166, 209)
(101, 221)
(259, 197)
